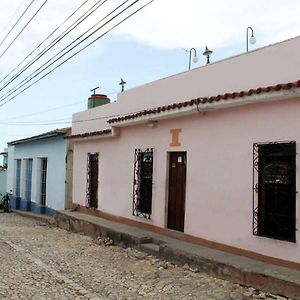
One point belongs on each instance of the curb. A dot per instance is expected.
(172, 252)
(38, 217)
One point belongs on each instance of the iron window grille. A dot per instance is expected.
(142, 183)
(28, 179)
(18, 177)
(43, 180)
(274, 190)
(92, 180)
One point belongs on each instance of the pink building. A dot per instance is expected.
(210, 153)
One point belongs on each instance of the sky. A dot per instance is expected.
(148, 46)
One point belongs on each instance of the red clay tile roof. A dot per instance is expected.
(89, 134)
(203, 100)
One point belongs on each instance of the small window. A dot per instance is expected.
(274, 195)
(142, 185)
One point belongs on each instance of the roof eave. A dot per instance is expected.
(114, 133)
(36, 138)
(205, 107)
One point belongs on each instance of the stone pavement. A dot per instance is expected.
(40, 262)
(275, 279)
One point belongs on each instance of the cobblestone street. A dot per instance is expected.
(38, 262)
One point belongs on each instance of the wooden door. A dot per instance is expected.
(177, 184)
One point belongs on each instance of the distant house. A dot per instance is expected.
(210, 154)
(40, 172)
(3, 172)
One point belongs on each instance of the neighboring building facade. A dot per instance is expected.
(210, 153)
(3, 172)
(40, 172)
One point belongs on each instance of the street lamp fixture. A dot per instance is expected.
(252, 39)
(195, 58)
(207, 53)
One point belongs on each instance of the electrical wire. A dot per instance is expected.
(49, 60)
(65, 121)
(24, 27)
(24, 12)
(51, 109)
(55, 41)
(44, 111)
(27, 79)
(48, 37)
(11, 18)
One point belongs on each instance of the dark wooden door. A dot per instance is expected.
(177, 184)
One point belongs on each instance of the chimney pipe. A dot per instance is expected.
(97, 100)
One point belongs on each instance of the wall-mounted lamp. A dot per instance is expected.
(195, 58)
(252, 39)
(151, 124)
(207, 53)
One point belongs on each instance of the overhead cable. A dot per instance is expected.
(76, 53)
(24, 27)
(39, 71)
(24, 12)
(54, 42)
(48, 37)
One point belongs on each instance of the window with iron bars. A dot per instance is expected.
(43, 180)
(28, 178)
(18, 177)
(92, 180)
(142, 183)
(274, 190)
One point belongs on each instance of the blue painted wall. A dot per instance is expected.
(54, 149)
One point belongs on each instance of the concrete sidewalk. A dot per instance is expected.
(242, 270)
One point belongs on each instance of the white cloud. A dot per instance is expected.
(169, 23)
(163, 24)
(217, 23)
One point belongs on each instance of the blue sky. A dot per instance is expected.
(147, 47)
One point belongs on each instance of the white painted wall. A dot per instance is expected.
(55, 150)
(279, 63)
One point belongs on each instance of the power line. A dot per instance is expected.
(45, 111)
(65, 121)
(54, 42)
(58, 39)
(51, 109)
(24, 27)
(24, 12)
(55, 30)
(83, 48)
(12, 17)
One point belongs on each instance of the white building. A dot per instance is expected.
(40, 172)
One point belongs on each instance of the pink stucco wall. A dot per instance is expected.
(219, 171)
(271, 65)
(218, 145)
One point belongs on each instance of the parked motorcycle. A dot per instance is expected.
(5, 202)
